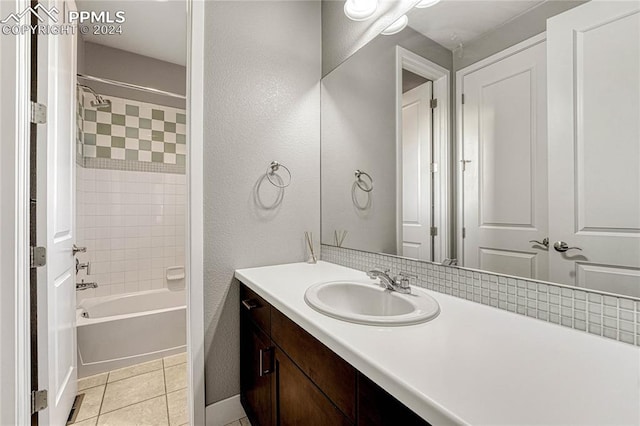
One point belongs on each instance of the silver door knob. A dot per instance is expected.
(544, 242)
(561, 247)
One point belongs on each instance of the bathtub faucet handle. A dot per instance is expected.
(80, 266)
(85, 286)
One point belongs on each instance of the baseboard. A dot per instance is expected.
(224, 412)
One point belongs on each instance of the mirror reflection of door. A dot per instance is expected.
(416, 197)
(505, 165)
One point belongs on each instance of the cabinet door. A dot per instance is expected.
(256, 362)
(297, 401)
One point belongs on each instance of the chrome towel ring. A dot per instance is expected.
(360, 181)
(271, 172)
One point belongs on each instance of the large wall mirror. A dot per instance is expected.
(496, 135)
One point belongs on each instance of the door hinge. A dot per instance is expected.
(464, 232)
(38, 113)
(38, 257)
(39, 400)
(463, 99)
(434, 167)
(434, 231)
(433, 103)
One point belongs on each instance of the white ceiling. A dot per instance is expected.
(153, 28)
(451, 22)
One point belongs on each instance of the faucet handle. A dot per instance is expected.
(405, 279)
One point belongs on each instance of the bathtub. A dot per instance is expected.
(122, 330)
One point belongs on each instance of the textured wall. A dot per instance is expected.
(359, 132)
(262, 101)
(342, 37)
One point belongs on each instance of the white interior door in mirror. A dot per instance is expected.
(57, 363)
(416, 173)
(505, 165)
(594, 142)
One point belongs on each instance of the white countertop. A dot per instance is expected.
(473, 363)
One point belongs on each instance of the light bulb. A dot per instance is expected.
(360, 10)
(397, 26)
(426, 3)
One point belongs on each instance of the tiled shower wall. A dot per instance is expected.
(133, 225)
(609, 316)
(130, 195)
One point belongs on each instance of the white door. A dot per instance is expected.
(505, 168)
(594, 142)
(57, 365)
(416, 172)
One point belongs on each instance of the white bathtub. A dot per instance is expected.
(122, 330)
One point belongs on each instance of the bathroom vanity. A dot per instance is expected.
(472, 364)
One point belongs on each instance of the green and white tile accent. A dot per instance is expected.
(133, 135)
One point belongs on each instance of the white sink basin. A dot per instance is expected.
(368, 303)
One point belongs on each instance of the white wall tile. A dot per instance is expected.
(132, 224)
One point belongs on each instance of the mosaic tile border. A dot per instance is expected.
(613, 317)
(132, 166)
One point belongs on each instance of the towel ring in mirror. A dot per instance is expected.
(271, 171)
(360, 181)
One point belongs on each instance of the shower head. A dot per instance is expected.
(99, 102)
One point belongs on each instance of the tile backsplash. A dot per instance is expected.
(131, 134)
(133, 225)
(610, 316)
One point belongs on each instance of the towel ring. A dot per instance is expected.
(271, 171)
(359, 181)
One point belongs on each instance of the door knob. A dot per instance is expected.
(544, 242)
(561, 247)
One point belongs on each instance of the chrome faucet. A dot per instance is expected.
(399, 283)
(85, 286)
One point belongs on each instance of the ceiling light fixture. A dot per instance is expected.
(360, 10)
(426, 3)
(397, 26)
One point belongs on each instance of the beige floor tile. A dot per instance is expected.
(175, 359)
(176, 377)
(236, 423)
(245, 421)
(132, 390)
(135, 370)
(90, 406)
(89, 422)
(177, 402)
(148, 413)
(92, 381)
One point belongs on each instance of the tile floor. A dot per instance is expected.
(242, 422)
(150, 394)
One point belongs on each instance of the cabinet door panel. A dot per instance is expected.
(332, 374)
(297, 401)
(255, 382)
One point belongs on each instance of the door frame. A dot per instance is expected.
(195, 210)
(405, 59)
(459, 157)
(15, 398)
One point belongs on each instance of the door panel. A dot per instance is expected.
(594, 139)
(57, 363)
(505, 175)
(416, 172)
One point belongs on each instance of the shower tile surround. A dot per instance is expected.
(132, 135)
(133, 225)
(613, 317)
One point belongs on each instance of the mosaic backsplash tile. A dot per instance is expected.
(604, 315)
(133, 132)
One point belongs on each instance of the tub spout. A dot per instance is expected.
(85, 286)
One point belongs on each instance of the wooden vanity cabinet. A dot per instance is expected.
(288, 377)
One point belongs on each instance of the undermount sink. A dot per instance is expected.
(368, 303)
